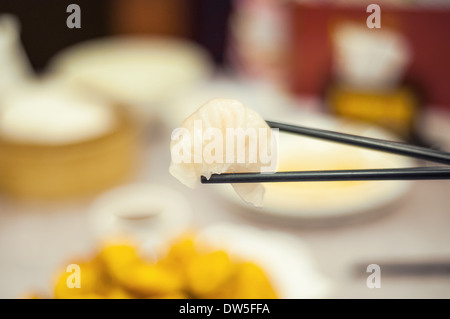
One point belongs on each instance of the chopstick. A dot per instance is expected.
(414, 173)
(367, 142)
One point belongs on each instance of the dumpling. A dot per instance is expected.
(223, 136)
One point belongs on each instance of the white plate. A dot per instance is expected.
(139, 71)
(316, 201)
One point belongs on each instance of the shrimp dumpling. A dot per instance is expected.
(223, 136)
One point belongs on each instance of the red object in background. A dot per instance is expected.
(426, 29)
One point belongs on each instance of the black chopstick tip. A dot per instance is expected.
(203, 180)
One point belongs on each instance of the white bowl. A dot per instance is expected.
(149, 214)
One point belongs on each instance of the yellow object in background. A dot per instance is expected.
(208, 273)
(246, 272)
(395, 110)
(118, 271)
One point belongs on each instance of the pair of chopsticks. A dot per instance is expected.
(413, 173)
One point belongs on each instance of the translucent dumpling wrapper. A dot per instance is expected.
(224, 136)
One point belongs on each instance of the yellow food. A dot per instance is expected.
(145, 279)
(208, 273)
(238, 287)
(118, 271)
(115, 259)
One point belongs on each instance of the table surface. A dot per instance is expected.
(35, 241)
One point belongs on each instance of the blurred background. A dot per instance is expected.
(86, 116)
